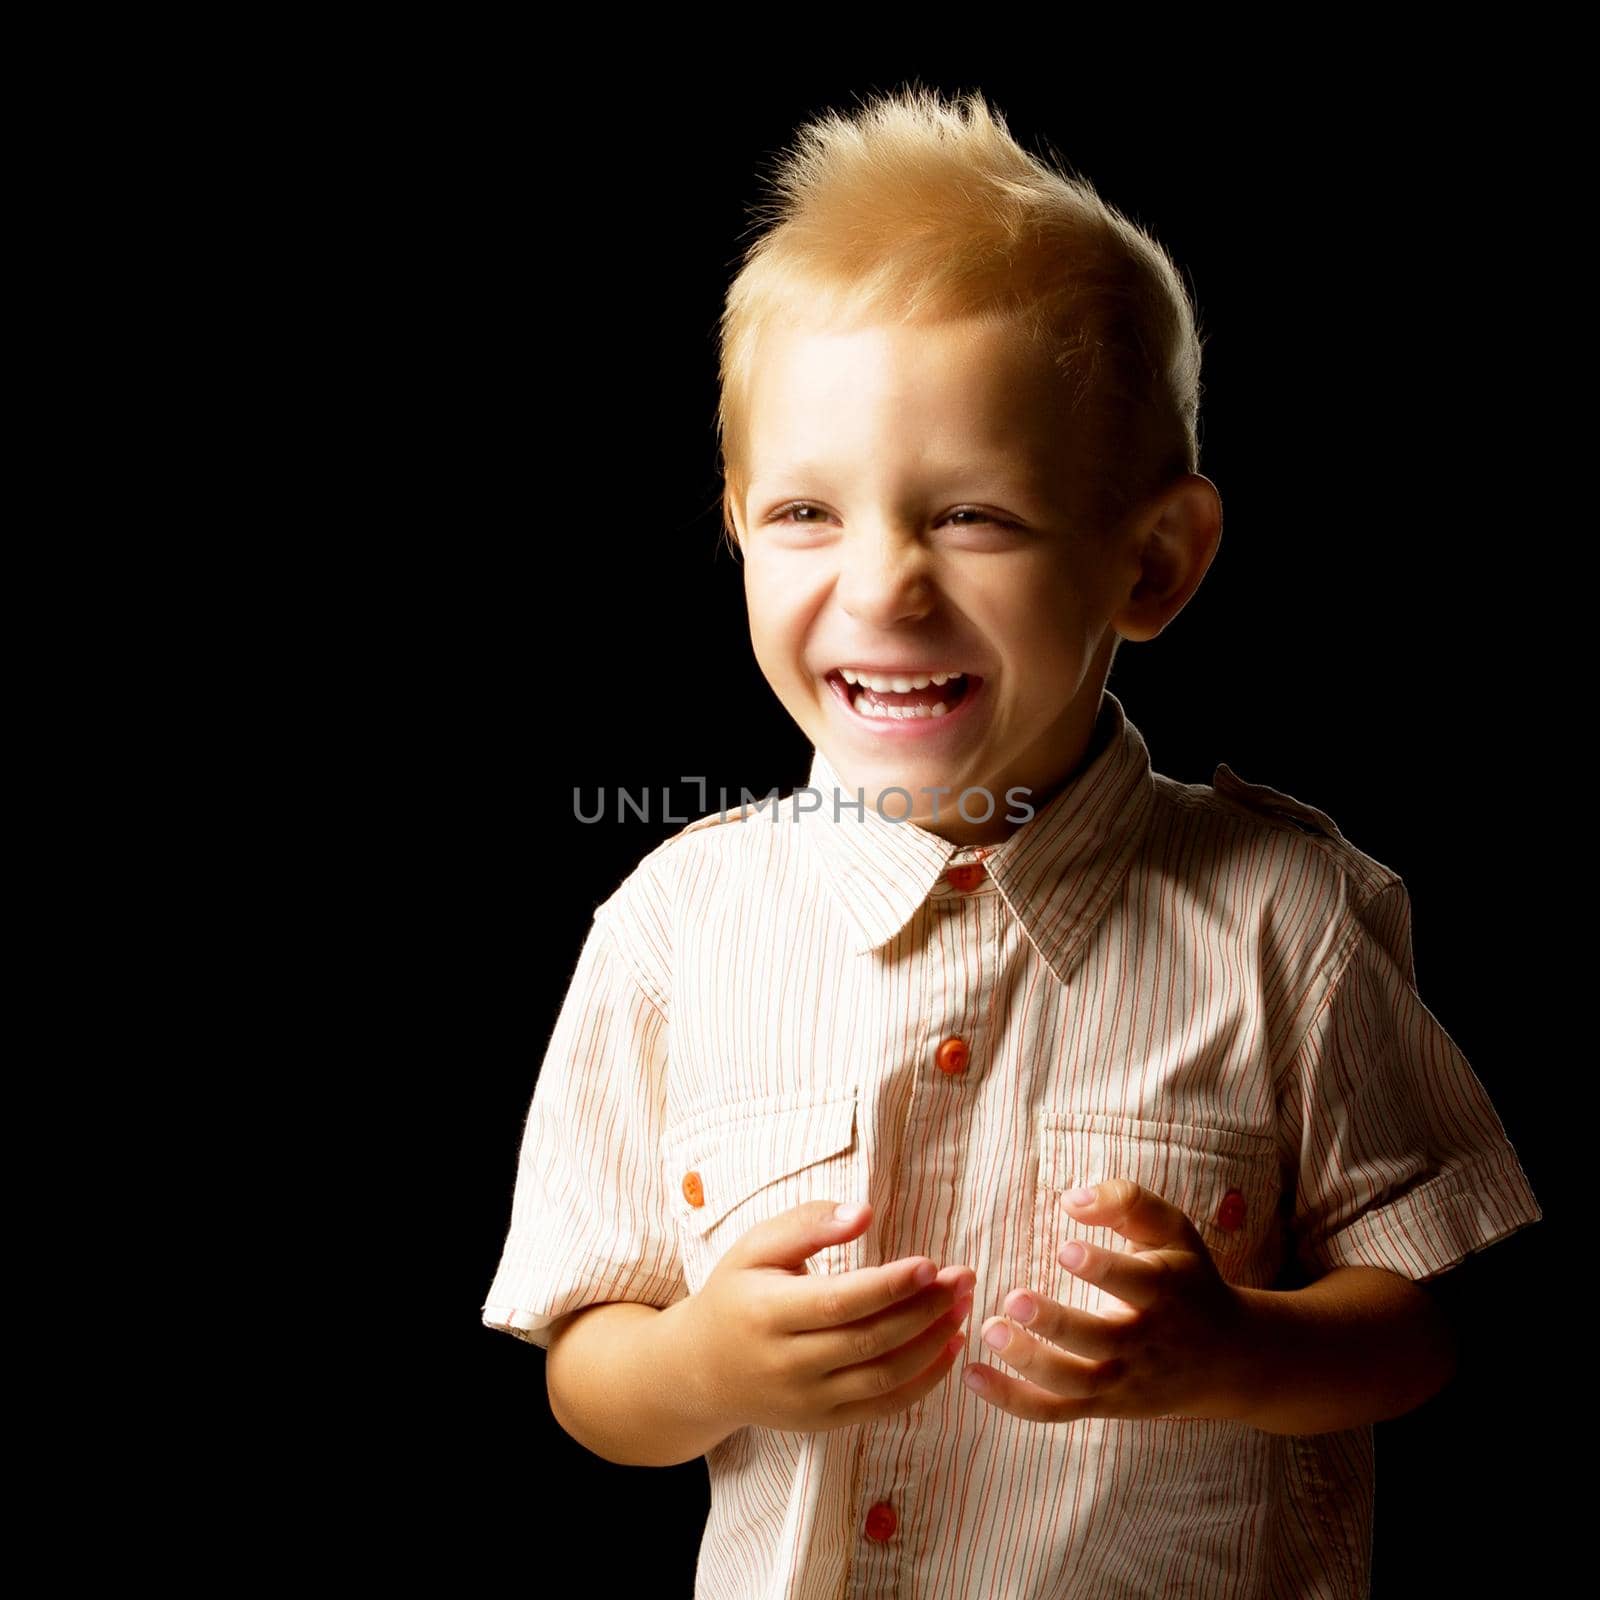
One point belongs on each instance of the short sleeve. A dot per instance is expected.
(1392, 1148)
(589, 1222)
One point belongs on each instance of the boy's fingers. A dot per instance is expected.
(830, 1300)
(905, 1363)
(792, 1237)
(1150, 1220)
(810, 1300)
(938, 1371)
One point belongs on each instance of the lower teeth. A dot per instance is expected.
(876, 708)
(900, 713)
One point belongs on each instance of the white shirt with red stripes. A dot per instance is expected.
(1204, 988)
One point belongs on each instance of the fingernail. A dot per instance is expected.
(973, 1377)
(1022, 1309)
(1072, 1255)
(997, 1337)
(847, 1213)
(962, 1307)
(1081, 1197)
(924, 1275)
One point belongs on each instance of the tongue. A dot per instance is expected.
(931, 696)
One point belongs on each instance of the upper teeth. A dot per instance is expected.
(869, 680)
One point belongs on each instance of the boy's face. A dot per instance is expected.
(910, 511)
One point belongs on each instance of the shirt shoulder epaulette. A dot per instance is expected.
(640, 910)
(665, 856)
(709, 821)
(1273, 803)
(752, 807)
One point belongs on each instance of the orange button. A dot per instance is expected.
(1231, 1212)
(965, 878)
(692, 1192)
(952, 1056)
(881, 1521)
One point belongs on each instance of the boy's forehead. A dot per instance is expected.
(982, 408)
(995, 356)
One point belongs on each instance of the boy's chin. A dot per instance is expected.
(901, 788)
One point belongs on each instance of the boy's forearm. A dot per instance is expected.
(1359, 1345)
(622, 1382)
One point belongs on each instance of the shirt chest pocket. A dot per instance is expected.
(733, 1166)
(1224, 1180)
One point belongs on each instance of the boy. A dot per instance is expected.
(1133, 1068)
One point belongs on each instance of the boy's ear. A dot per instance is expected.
(1176, 534)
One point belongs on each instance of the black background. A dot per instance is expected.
(541, 604)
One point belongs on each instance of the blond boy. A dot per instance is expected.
(1134, 1069)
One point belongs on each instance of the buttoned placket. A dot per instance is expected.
(961, 930)
(966, 932)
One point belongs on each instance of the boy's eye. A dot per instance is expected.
(792, 513)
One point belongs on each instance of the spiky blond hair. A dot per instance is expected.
(918, 209)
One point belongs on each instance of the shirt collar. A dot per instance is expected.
(1056, 873)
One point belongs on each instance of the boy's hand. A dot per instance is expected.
(1176, 1349)
(806, 1352)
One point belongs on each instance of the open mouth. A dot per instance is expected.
(922, 698)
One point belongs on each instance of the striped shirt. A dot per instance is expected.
(1203, 988)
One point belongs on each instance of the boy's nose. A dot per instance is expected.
(885, 581)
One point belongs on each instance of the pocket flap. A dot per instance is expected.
(742, 1149)
(1224, 1180)
(1070, 1146)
